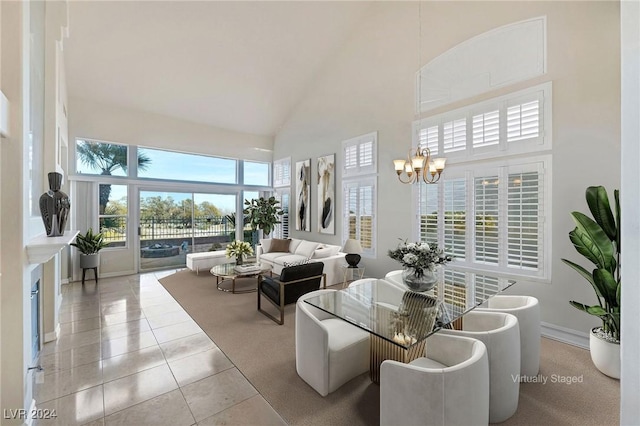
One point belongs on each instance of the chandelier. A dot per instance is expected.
(419, 166)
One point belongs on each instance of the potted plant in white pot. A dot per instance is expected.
(598, 240)
(89, 245)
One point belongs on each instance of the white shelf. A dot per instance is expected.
(42, 248)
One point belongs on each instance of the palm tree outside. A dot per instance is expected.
(107, 158)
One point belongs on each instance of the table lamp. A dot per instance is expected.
(353, 249)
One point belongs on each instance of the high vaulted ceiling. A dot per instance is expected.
(241, 66)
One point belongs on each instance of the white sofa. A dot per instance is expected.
(300, 251)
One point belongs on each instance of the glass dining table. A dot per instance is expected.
(400, 321)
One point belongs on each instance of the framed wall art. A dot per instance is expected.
(303, 195)
(326, 194)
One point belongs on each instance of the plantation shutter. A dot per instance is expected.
(428, 212)
(281, 230)
(524, 227)
(486, 129)
(428, 138)
(486, 202)
(282, 172)
(455, 217)
(455, 291)
(360, 155)
(523, 121)
(455, 135)
(359, 212)
(485, 287)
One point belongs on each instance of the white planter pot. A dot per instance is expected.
(605, 355)
(89, 260)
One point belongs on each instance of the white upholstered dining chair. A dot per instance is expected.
(329, 351)
(501, 335)
(448, 386)
(527, 310)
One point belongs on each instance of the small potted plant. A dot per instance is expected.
(89, 245)
(263, 213)
(599, 242)
(239, 249)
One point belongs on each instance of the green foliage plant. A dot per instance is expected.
(89, 243)
(263, 213)
(598, 240)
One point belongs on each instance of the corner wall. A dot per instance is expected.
(369, 85)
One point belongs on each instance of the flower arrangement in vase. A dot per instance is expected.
(419, 261)
(239, 249)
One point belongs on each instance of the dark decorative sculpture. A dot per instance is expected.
(54, 207)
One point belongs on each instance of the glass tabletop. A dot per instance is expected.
(403, 317)
(230, 270)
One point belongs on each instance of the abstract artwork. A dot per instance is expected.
(326, 194)
(303, 195)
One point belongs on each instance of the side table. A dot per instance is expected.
(357, 271)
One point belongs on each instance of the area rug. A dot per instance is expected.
(569, 391)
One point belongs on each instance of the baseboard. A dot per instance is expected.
(64, 281)
(53, 335)
(101, 275)
(565, 335)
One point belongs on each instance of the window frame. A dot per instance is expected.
(360, 142)
(503, 158)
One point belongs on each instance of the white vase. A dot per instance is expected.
(605, 354)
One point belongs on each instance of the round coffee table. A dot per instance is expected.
(228, 271)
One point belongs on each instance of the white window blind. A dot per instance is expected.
(282, 172)
(428, 215)
(455, 217)
(428, 138)
(506, 233)
(485, 287)
(524, 212)
(502, 126)
(455, 135)
(486, 129)
(494, 218)
(281, 230)
(486, 221)
(523, 121)
(359, 212)
(360, 155)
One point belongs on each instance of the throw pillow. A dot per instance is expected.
(296, 263)
(278, 245)
(295, 242)
(325, 251)
(321, 252)
(306, 248)
(266, 244)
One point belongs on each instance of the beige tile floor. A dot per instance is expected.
(128, 354)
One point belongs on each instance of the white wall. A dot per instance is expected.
(369, 85)
(113, 124)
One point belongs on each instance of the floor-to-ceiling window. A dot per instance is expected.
(160, 205)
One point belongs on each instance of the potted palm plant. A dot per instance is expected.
(89, 246)
(263, 213)
(598, 240)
